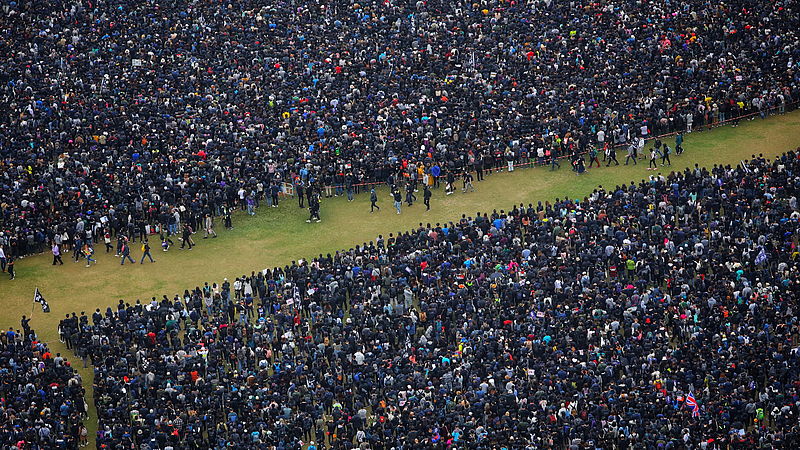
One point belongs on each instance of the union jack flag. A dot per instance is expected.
(692, 403)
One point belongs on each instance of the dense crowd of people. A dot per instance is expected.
(42, 402)
(119, 115)
(654, 314)
(658, 314)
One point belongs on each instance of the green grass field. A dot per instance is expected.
(277, 236)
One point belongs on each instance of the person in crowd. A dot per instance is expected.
(43, 402)
(510, 157)
(436, 172)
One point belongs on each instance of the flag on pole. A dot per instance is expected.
(744, 166)
(692, 403)
(38, 298)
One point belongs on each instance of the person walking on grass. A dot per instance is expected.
(426, 197)
(78, 246)
(657, 144)
(631, 154)
(653, 159)
(451, 180)
(107, 240)
(593, 157)
(146, 252)
(410, 197)
(467, 183)
(83, 435)
(313, 208)
(186, 236)
(125, 252)
(373, 200)
(679, 143)
(665, 155)
(640, 148)
(398, 199)
(120, 241)
(57, 254)
(88, 251)
(10, 267)
(611, 155)
(208, 226)
(553, 155)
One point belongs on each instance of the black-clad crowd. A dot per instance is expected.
(41, 396)
(658, 314)
(118, 114)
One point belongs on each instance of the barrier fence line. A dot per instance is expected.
(550, 158)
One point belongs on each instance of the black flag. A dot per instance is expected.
(37, 298)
